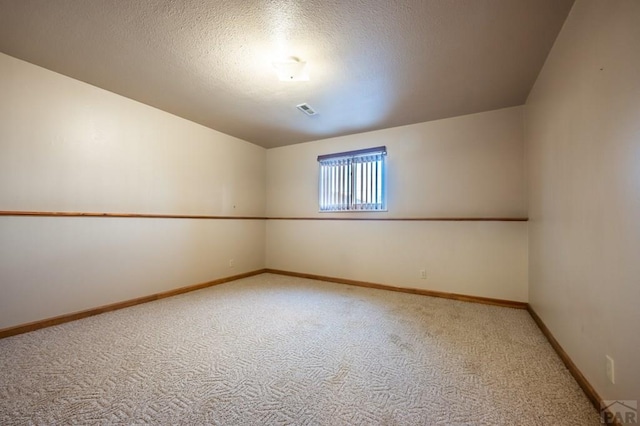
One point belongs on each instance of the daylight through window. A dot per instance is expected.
(353, 181)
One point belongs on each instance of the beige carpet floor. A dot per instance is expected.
(275, 350)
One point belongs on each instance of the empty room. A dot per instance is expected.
(413, 212)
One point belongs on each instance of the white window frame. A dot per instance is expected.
(353, 181)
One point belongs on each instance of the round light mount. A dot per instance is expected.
(291, 69)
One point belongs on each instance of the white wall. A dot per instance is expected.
(583, 136)
(69, 146)
(471, 166)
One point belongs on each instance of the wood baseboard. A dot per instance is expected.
(589, 391)
(454, 296)
(36, 325)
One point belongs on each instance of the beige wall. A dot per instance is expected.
(69, 146)
(469, 166)
(51, 266)
(583, 135)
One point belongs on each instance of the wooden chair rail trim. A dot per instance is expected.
(126, 215)
(189, 216)
(412, 219)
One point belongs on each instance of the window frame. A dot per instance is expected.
(372, 172)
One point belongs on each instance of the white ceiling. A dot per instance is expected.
(373, 63)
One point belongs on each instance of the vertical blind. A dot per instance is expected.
(353, 181)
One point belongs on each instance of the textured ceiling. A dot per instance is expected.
(372, 64)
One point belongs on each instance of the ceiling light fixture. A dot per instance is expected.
(291, 69)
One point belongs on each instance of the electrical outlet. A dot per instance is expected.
(423, 274)
(611, 372)
(231, 263)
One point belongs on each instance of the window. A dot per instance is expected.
(353, 181)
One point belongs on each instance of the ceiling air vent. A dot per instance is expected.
(306, 109)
